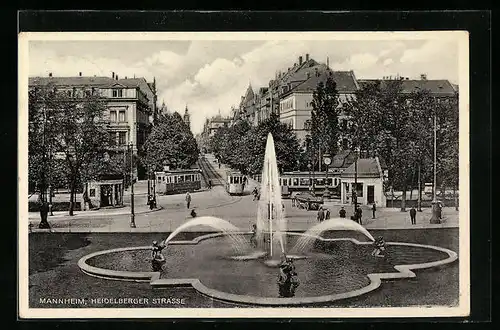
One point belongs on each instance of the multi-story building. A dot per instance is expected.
(129, 111)
(297, 95)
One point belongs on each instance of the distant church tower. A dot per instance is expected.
(186, 117)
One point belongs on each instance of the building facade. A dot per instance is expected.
(129, 111)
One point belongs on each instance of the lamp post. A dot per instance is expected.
(310, 178)
(132, 214)
(327, 160)
(435, 207)
(355, 189)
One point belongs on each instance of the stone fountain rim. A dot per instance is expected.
(404, 271)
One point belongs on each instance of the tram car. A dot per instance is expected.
(178, 181)
(235, 183)
(293, 183)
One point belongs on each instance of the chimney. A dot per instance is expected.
(423, 76)
(80, 74)
(327, 61)
(50, 74)
(125, 77)
(307, 57)
(113, 75)
(116, 77)
(300, 60)
(407, 78)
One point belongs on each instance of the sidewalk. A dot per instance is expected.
(63, 215)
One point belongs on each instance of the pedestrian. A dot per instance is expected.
(342, 212)
(219, 164)
(255, 193)
(188, 199)
(193, 213)
(413, 216)
(440, 210)
(360, 214)
(321, 214)
(282, 207)
(374, 208)
(327, 214)
(209, 184)
(44, 212)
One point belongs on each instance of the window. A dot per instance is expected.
(69, 93)
(304, 182)
(93, 91)
(121, 116)
(359, 190)
(117, 92)
(112, 115)
(122, 138)
(307, 125)
(92, 192)
(295, 181)
(87, 93)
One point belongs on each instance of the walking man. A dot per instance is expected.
(360, 214)
(188, 199)
(413, 216)
(342, 212)
(327, 214)
(321, 214)
(374, 208)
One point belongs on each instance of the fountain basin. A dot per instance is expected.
(334, 269)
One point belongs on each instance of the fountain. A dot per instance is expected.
(270, 218)
(203, 262)
(228, 229)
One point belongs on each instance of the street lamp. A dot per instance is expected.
(435, 207)
(132, 214)
(327, 160)
(310, 178)
(355, 190)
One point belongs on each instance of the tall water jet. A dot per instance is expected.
(270, 217)
(231, 231)
(333, 224)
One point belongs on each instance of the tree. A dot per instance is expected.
(73, 131)
(170, 143)
(324, 117)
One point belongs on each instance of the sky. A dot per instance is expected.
(211, 75)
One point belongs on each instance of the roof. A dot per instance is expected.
(306, 80)
(71, 81)
(366, 168)
(440, 87)
(343, 159)
(102, 82)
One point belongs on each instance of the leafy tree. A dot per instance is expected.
(171, 143)
(324, 117)
(72, 131)
(285, 142)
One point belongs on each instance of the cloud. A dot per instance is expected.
(388, 61)
(210, 76)
(358, 61)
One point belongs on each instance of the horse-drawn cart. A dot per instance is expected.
(307, 201)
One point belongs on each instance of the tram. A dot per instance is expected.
(295, 182)
(178, 181)
(235, 183)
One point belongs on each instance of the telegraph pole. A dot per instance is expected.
(132, 214)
